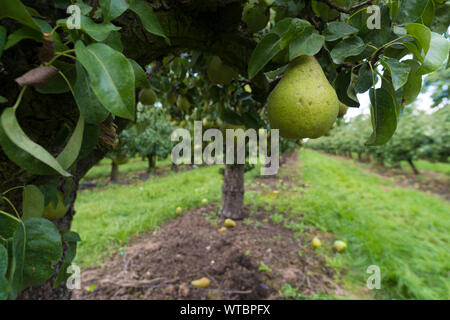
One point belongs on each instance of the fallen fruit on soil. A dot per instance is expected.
(255, 16)
(222, 229)
(179, 210)
(316, 243)
(147, 96)
(205, 202)
(220, 73)
(55, 212)
(229, 223)
(339, 245)
(201, 283)
(303, 104)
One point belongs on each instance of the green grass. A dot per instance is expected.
(404, 232)
(107, 217)
(423, 165)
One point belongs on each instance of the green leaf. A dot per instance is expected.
(436, 55)
(266, 49)
(4, 285)
(307, 44)
(97, 31)
(22, 150)
(72, 239)
(365, 80)
(399, 71)
(140, 77)
(111, 77)
(43, 249)
(346, 48)
(441, 18)
(337, 30)
(411, 10)
(112, 9)
(8, 225)
(14, 9)
(58, 84)
(32, 202)
(88, 103)
(21, 34)
(70, 152)
(342, 84)
(413, 86)
(3, 99)
(275, 41)
(2, 39)
(114, 41)
(421, 34)
(148, 17)
(384, 117)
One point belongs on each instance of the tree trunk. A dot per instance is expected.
(413, 167)
(151, 163)
(114, 171)
(43, 116)
(233, 192)
(360, 157)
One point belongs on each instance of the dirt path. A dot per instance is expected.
(251, 261)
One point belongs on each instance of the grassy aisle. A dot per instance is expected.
(404, 232)
(107, 217)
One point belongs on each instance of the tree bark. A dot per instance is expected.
(114, 171)
(233, 192)
(151, 163)
(413, 167)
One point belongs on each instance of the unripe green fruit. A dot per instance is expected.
(220, 73)
(147, 96)
(171, 97)
(55, 212)
(342, 110)
(303, 104)
(179, 210)
(255, 16)
(183, 103)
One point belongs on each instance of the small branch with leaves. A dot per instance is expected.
(331, 4)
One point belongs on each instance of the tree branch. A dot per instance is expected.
(331, 4)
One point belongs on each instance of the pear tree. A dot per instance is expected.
(71, 73)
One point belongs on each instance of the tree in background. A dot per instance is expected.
(149, 137)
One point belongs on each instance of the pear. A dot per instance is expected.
(56, 211)
(201, 283)
(303, 104)
(220, 73)
(255, 16)
(230, 223)
(342, 110)
(147, 96)
(171, 97)
(183, 103)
